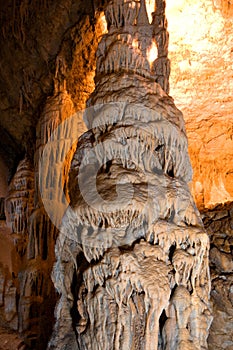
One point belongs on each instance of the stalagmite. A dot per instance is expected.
(132, 253)
(20, 202)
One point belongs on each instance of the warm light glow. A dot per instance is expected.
(218, 194)
(150, 7)
(201, 55)
(132, 4)
(192, 24)
(135, 43)
(195, 31)
(152, 53)
(104, 26)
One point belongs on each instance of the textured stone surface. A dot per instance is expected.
(55, 42)
(66, 59)
(201, 82)
(46, 37)
(10, 340)
(201, 55)
(219, 225)
(9, 265)
(26, 293)
(132, 254)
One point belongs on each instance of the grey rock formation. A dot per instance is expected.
(132, 254)
(219, 225)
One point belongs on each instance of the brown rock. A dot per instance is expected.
(222, 261)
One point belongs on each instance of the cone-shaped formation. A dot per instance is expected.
(19, 203)
(132, 255)
(133, 45)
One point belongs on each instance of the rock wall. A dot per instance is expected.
(219, 225)
(3, 178)
(201, 55)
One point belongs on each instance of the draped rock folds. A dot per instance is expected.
(132, 254)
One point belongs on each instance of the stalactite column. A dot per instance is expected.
(132, 254)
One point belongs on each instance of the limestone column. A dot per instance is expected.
(132, 253)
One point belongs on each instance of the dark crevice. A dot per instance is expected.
(159, 147)
(163, 318)
(76, 283)
(171, 172)
(171, 251)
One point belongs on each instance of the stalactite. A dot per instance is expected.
(56, 138)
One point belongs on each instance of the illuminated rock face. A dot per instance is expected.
(201, 69)
(132, 253)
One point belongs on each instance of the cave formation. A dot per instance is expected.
(102, 245)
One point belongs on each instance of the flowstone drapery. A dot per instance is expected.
(132, 254)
